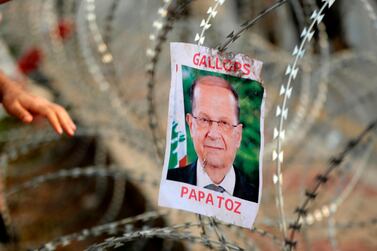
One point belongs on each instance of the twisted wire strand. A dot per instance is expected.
(298, 128)
(301, 211)
(233, 36)
(91, 31)
(203, 232)
(361, 155)
(126, 225)
(357, 224)
(205, 23)
(167, 232)
(119, 190)
(58, 53)
(14, 152)
(115, 172)
(282, 112)
(326, 210)
(218, 232)
(371, 13)
(103, 49)
(259, 231)
(329, 211)
(90, 171)
(163, 27)
(101, 185)
(109, 22)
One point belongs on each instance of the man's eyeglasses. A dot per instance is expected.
(206, 123)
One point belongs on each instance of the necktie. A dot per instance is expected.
(213, 187)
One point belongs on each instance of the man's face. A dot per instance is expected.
(213, 144)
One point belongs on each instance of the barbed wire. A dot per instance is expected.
(200, 39)
(167, 232)
(299, 126)
(233, 36)
(119, 190)
(125, 225)
(67, 62)
(116, 173)
(100, 159)
(371, 13)
(91, 171)
(108, 26)
(103, 47)
(357, 224)
(203, 232)
(246, 239)
(24, 147)
(282, 111)
(205, 23)
(218, 233)
(307, 111)
(331, 208)
(321, 179)
(163, 26)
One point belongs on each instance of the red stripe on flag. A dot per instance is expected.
(183, 161)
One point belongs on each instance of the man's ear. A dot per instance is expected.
(239, 134)
(189, 120)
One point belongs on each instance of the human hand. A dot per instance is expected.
(25, 106)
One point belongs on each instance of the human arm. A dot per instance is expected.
(20, 103)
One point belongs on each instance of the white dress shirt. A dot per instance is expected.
(202, 179)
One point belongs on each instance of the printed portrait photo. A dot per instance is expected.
(222, 134)
(214, 139)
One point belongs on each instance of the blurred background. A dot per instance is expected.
(108, 63)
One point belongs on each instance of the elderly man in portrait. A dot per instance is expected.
(216, 132)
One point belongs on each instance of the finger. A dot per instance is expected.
(45, 108)
(57, 115)
(68, 118)
(65, 121)
(19, 111)
(53, 119)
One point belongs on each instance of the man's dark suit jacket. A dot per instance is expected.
(243, 189)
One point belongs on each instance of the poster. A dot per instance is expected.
(213, 156)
